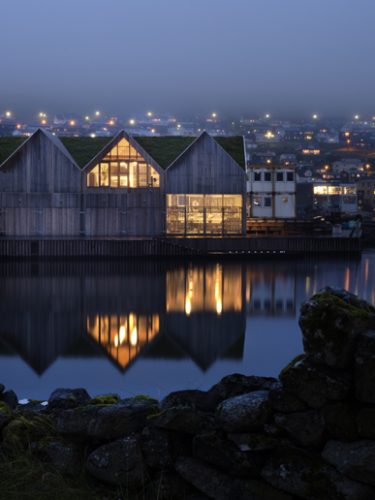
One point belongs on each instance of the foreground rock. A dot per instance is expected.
(307, 476)
(221, 486)
(118, 463)
(244, 413)
(356, 460)
(310, 434)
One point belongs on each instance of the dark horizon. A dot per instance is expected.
(288, 58)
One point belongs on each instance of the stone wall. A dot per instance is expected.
(309, 434)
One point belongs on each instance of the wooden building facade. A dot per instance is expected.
(121, 192)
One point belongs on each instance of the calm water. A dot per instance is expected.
(154, 327)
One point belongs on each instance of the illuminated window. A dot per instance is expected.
(210, 288)
(123, 337)
(123, 167)
(197, 214)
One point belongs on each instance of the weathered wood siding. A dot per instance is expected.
(133, 212)
(206, 169)
(39, 191)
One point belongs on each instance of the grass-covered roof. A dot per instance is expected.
(163, 149)
(8, 145)
(83, 149)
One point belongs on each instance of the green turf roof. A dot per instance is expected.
(163, 149)
(8, 145)
(83, 149)
(234, 146)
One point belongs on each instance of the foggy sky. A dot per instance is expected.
(231, 56)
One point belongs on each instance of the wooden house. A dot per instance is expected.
(131, 187)
(205, 191)
(40, 189)
(123, 190)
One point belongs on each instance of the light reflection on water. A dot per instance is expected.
(154, 327)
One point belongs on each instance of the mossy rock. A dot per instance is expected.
(22, 431)
(106, 399)
(291, 364)
(331, 322)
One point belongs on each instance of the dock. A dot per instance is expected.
(120, 248)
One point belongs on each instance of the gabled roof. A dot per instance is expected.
(133, 142)
(204, 136)
(162, 149)
(55, 140)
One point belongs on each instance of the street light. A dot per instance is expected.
(315, 116)
(8, 114)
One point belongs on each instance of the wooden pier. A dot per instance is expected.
(176, 247)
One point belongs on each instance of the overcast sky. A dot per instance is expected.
(233, 56)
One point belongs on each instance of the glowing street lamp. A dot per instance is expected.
(214, 115)
(268, 116)
(315, 116)
(8, 114)
(72, 123)
(97, 113)
(149, 114)
(87, 118)
(356, 117)
(131, 121)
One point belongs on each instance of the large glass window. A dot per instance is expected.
(198, 214)
(123, 167)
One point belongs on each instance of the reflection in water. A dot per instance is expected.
(123, 337)
(211, 317)
(205, 288)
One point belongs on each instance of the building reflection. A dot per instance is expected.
(156, 310)
(123, 337)
(270, 290)
(205, 314)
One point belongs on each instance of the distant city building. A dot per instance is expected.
(271, 191)
(366, 194)
(335, 197)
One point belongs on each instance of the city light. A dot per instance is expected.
(268, 116)
(214, 115)
(43, 121)
(131, 121)
(72, 123)
(315, 116)
(92, 136)
(149, 114)
(356, 117)
(97, 113)
(269, 135)
(8, 114)
(18, 126)
(111, 122)
(153, 131)
(87, 118)
(42, 115)
(178, 125)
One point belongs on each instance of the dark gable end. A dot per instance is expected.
(40, 164)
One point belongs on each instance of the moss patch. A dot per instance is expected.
(106, 399)
(292, 363)
(22, 431)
